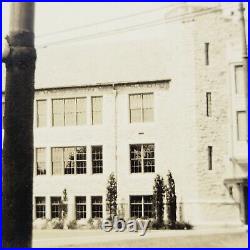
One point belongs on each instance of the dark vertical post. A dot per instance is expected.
(18, 131)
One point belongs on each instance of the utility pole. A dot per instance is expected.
(19, 58)
(244, 56)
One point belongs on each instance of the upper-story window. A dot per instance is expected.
(41, 161)
(69, 111)
(209, 104)
(97, 160)
(41, 113)
(241, 125)
(96, 103)
(239, 81)
(142, 158)
(69, 160)
(141, 107)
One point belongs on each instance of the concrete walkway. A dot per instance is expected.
(79, 238)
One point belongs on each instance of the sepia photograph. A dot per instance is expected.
(124, 125)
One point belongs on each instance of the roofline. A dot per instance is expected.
(102, 85)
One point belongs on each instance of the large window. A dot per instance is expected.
(96, 206)
(97, 160)
(210, 157)
(69, 111)
(141, 107)
(80, 207)
(209, 104)
(41, 161)
(40, 207)
(69, 160)
(141, 206)
(242, 125)
(239, 81)
(41, 113)
(142, 158)
(55, 207)
(96, 110)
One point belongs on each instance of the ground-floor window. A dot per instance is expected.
(55, 207)
(80, 207)
(40, 207)
(96, 206)
(141, 206)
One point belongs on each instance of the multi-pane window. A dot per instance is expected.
(55, 207)
(210, 157)
(96, 206)
(80, 207)
(142, 158)
(69, 111)
(141, 206)
(209, 104)
(96, 110)
(41, 161)
(3, 107)
(206, 53)
(97, 160)
(69, 160)
(141, 107)
(241, 125)
(40, 207)
(41, 113)
(239, 81)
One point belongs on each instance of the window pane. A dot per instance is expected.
(80, 207)
(209, 104)
(55, 207)
(69, 160)
(81, 160)
(70, 112)
(57, 161)
(81, 111)
(136, 206)
(40, 207)
(58, 112)
(239, 81)
(148, 206)
(41, 113)
(96, 110)
(136, 158)
(135, 106)
(242, 125)
(96, 202)
(41, 161)
(97, 160)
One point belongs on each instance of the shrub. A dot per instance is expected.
(40, 223)
(158, 204)
(72, 224)
(179, 226)
(90, 223)
(111, 198)
(56, 223)
(171, 199)
(97, 223)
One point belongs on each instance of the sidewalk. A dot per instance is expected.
(79, 238)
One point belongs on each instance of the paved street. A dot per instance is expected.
(96, 238)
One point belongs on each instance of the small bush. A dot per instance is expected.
(40, 223)
(56, 223)
(154, 224)
(97, 223)
(72, 224)
(90, 223)
(179, 226)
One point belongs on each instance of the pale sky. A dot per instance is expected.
(51, 17)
